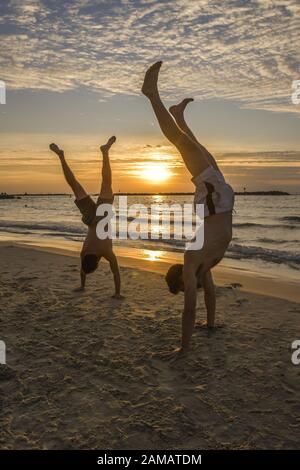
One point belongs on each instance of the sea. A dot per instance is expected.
(266, 229)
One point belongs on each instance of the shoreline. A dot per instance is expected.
(158, 262)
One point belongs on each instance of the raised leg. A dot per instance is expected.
(177, 112)
(106, 191)
(78, 190)
(193, 155)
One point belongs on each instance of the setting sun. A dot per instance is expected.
(155, 172)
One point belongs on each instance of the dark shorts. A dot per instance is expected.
(88, 208)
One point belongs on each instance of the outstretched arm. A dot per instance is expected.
(209, 298)
(190, 302)
(114, 266)
(189, 312)
(82, 282)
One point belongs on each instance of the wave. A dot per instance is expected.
(273, 241)
(80, 229)
(23, 226)
(291, 218)
(256, 252)
(265, 226)
(235, 250)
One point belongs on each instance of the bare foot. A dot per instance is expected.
(201, 325)
(149, 87)
(55, 148)
(178, 109)
(105, 148)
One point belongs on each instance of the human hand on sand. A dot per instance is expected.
(79, 289)
(204, 325)
(118, 296)
(171, 356)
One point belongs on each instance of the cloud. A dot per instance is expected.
(234, 50)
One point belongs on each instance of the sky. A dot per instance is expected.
(73, 72)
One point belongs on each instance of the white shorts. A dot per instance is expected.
(213, 191)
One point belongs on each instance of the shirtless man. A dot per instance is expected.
(93, 248)
(218, 199)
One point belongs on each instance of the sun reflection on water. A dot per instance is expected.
(153, 255)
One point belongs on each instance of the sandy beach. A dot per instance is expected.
(80, 374)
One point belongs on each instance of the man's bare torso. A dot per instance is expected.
(93, 245)
(217, 236)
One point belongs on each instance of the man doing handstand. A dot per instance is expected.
(93, 248)
(217, 198)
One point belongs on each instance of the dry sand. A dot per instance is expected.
(80, 374)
